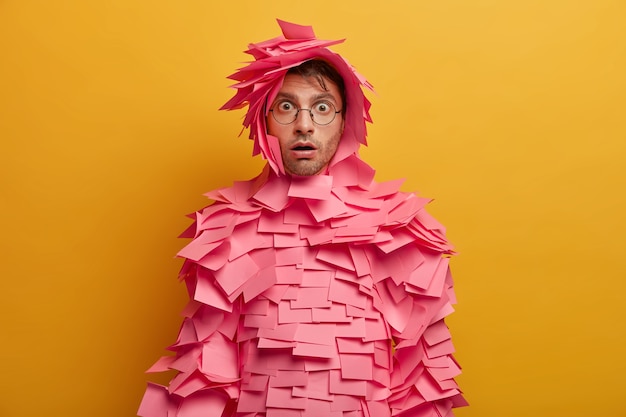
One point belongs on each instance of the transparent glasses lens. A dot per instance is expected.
(322, 113)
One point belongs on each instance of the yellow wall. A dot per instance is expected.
(512, 114)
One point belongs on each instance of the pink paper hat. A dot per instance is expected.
(259, 82)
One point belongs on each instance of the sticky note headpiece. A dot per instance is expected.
(260, 80)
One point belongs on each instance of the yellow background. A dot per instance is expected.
(511, 114)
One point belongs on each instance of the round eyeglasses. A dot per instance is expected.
(322, 113)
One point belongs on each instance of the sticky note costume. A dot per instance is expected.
(320, 296)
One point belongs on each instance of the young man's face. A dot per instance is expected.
(306, 147)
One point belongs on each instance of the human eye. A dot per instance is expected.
(322, 107)
(285, 107)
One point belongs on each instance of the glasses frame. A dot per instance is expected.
(310, 114)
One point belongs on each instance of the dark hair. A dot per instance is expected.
(319, 70)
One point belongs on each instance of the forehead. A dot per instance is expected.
(300, 88)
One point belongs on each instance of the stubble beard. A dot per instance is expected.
(309, 167)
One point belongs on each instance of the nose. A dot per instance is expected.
(304, 122)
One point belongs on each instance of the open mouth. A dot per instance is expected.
(303, 146)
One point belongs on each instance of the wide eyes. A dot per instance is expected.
(321, 107)
(286, 106)
(286, 112)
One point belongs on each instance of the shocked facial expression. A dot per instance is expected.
(306, 146)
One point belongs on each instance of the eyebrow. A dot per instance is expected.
(316, 97)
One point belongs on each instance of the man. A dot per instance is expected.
(315, 291)
(307, 143)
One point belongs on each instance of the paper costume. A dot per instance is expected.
(320, 296)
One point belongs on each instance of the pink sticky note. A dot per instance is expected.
(383, 189)
(439, 277)
(323, 364)
(288, 315)
(299, 214)
(356, 232)
(340, 258)
(282, 398)
(235, 273)
(220, 358)
(363, 283)
(338, 385)
(346, 293)
(294, 31)
(206, 321)
(379, 409)
(290, 256)
(197, 249)
(436, 333)
(451, 371)
(316, 187)
(354, 171)
(319, 279)
(274, 194)
(284, 332)
(214, 216)
(291, 293)
(325, 209)
(288, 274)
(206, 292)
(311, 297)
(400, 238)
(311, 350)
(318, 333)
(253, 382)
(335, 314)
(427, 386)
(396, 312)
(189, 362)
(258, 306)
(440, 349)
(276, 293)
(356, 328)
(317, 235)
(249, 402)
(216, 257)
(191, 307)
(356, 366)
(317, 386)
(288, 240)
(368, 218)
(187, 333)
(346, 403)
(155, 401)
(163, 364)
(203, 403)
(275, 344)
(346, 345)
(376, 330)
(382, 358)
(422, 276)
(245, 238)
(367, 312)
(445, 311)
(192, 383)
(283, 412)
(262, 281)
(271, 222)
(289, 379)
(361, 200)
(316, 408)
(262, 321)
